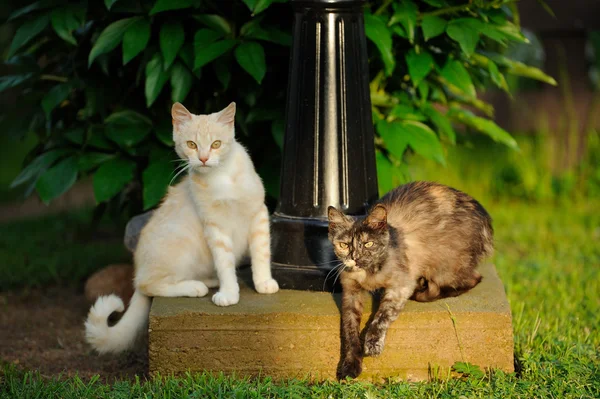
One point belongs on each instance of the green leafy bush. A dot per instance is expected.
(95, 82)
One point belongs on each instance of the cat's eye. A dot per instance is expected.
(369, 244)
(343, 245)
(192, 145)
(216, 144)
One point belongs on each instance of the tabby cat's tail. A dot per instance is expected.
(122, 335)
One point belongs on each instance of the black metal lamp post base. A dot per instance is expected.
(329, 154)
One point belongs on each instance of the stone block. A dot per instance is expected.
(297, 334)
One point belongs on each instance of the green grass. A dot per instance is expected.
(549, 259)
(60, 249)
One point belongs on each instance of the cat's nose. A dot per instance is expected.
(203, 159)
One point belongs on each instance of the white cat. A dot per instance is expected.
(194, 240)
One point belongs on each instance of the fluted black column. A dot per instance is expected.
(329, 155)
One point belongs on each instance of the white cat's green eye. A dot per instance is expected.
(192, 145)
(343, 245)
(369, 244)
(216, 144)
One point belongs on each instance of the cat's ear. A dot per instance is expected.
(336, 218)
(180, 115)
(377, 218)
(227, 116)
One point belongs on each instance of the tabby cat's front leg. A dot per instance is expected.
(260, 252)
(391, 305)
(352, 309)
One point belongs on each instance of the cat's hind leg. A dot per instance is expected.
(185, 288)
(260, 251)
(463, 285)
(426, 291)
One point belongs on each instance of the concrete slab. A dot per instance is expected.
(297, 334)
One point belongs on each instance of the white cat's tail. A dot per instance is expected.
(122, 335)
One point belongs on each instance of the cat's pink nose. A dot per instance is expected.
(203, 159)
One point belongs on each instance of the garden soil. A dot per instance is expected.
(43, 330)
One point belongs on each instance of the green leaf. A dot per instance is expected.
(221, 67)
(519, 69)
(513, 32)
(167, 5)
(380, 35)
(75, 135)
(127, 128)
(406, 13)
(490, 31)
(111, 178)
(187, 55)
(206, 54)
(89, 160)
(38, 166)
(466, 32)
(423, 141)
(436, 3)
(67, 19)
(57, 180)
(55, 96)
(181, 82)
(172, 37)
(8, 81)
(109, 3)
(442, 123)
(455, 73)
(135, 39)
(251, 57)
(386, 172)
(497, 76)
(258, 6)
(37, 6)
(261, 5)
(253, 30)
(156, 77)
(250, 4)
(394, 137)
(423, 91)
(110, 37)
(432, 26)
(215, 22)
(419, 65)
(486, 126)
(156, 179)
(26, 32)
(406, 112)
(97, 139)
(278, 132)
(164, 132)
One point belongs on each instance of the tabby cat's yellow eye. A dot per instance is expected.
(192, 145)
(369, 244)
(343, 245)
(216, 144)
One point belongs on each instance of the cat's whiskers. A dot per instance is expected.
(340, 270)
(185, 167)
(335, 268)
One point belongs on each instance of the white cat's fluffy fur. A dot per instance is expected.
(194, 240)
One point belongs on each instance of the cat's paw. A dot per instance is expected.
(351, 367)
(269, 286)
(226, 298)
(194, 289)
(373, 345)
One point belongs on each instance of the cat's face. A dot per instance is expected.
(360, 244)
(204, 141)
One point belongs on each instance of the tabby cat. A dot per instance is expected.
(421, 241)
